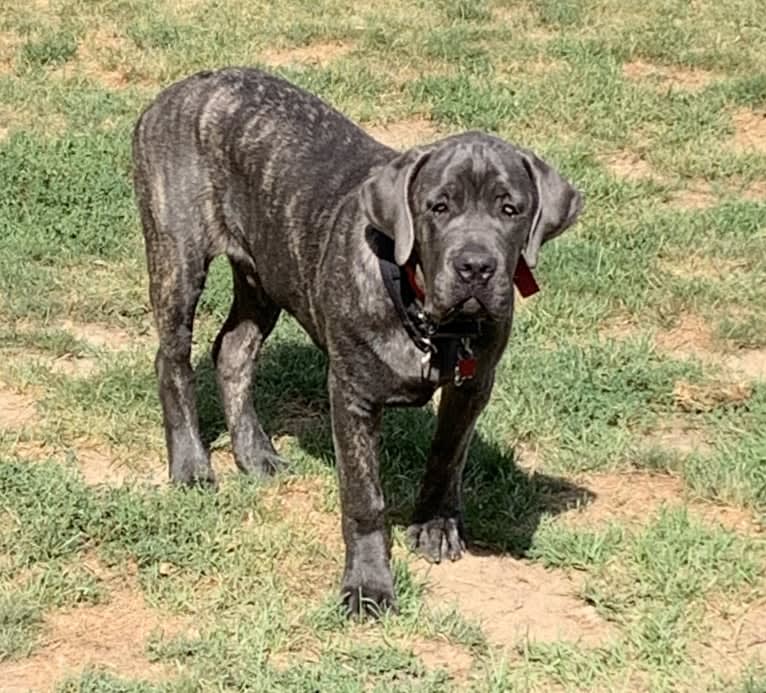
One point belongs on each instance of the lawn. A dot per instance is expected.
(616, 488)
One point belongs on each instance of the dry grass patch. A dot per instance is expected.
(749, 131)
(319, 54)
(667, 77)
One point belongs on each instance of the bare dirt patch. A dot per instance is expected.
(698, 398)
(668, 76)
(690, 336)
(734, 639)
(516, 601)
(97, 463)
(629, 165)
(635, 498)
(697, 266)
(403, 134)
(106, 57)
(301, 502)
(73, 366)
(320, 54)
(755, 192)
(699, 194)
(749, 130)
(101, 465)
(535, 67)
(677, 434)
(100, 336)
(111, 636)
(455, 660)
(750, 363)
(9, 44)
(16, 410)
(627, 498)
(15, 118)
(696, 197)
(523, 16)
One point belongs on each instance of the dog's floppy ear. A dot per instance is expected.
(386, 200)
(558, 205)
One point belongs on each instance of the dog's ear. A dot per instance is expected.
(386, 200)
(558, 205)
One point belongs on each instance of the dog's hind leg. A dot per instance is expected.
(251, 319)
(177, 272)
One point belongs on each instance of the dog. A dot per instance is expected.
(399, 266)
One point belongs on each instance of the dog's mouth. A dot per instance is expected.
(469, 307)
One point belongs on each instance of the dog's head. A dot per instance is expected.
(464, 208)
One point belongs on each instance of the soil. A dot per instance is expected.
(403, 134)
(112, 636)
(16, 410)
(515, 601)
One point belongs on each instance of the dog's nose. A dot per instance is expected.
(475, 265)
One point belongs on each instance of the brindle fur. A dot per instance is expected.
(243, 164)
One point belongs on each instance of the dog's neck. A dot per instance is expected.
(446, 346)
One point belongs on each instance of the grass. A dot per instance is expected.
(586, 392)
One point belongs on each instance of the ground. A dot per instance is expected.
(616, 490)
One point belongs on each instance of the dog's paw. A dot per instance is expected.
(437, 539)
(368, 595)
(193, 473)
(262, 464)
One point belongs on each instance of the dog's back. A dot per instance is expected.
(233, 162)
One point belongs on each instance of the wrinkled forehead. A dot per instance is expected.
(475, 166)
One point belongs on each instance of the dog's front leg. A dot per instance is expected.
(367, 581)
(437, 529)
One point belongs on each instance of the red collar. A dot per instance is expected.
(523, 279)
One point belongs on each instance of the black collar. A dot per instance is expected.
(448, 345)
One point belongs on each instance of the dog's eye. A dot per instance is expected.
(439, 208)
(510, 210)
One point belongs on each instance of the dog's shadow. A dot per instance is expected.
(503, 503)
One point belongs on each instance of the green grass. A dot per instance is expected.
(586, 396)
